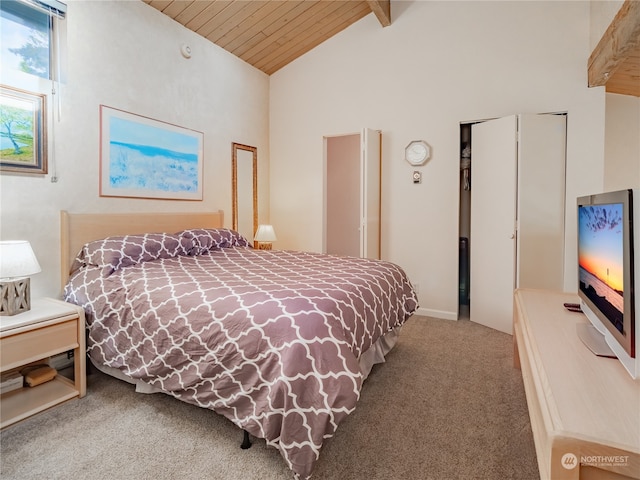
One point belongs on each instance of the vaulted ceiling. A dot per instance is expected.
(269, 34)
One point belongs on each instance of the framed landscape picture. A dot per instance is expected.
(146, 158)
(23, 135)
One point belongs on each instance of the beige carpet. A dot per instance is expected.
(448, 404)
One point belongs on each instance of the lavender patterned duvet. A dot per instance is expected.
(269, 339)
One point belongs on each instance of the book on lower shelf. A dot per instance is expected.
(62, 360)
(9, 381)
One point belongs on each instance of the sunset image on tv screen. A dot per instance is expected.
(600, 256)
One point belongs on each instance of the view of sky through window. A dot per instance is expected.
(24, 39)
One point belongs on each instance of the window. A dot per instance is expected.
(27, 36)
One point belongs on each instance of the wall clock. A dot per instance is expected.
(417, 152)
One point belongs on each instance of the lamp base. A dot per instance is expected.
(15, 297)
(264, 245)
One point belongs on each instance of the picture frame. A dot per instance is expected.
(23, 131)
(141, 157)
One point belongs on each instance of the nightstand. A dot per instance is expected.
(50, 327)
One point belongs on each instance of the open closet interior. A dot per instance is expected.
(464, 226)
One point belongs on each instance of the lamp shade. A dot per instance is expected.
(265, 233)
(17, 259)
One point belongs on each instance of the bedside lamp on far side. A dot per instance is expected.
(264, 237)
(17, 262)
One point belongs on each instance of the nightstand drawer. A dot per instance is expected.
(37, 344)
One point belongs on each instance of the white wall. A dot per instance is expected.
(622, 115)
(602, 13)
(438, 64)
(127, 55)
(622, 142)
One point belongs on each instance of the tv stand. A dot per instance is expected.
(584, 409)
(594, 340)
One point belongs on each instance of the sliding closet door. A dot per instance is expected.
(493, 212)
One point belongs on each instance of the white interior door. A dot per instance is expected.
(493, 214)
(541, 201)
(370, 160)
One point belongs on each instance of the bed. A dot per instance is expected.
(278, 342)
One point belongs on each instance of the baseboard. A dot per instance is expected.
(428, 312)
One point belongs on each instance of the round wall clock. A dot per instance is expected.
(417, 152)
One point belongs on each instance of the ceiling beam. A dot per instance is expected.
(619, 40)
(382, 9)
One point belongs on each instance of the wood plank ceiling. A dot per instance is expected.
(269, 34)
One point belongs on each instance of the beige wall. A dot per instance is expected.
(622, 115)
(127, 55)
(622, 142)
(602, 13)
(438, 64)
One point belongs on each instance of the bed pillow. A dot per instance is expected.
(124, 251)
(204, 240)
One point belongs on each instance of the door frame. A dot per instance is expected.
(370, 214)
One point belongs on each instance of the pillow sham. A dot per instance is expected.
(204, 240)
(124, 251)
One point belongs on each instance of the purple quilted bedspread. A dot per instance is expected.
(269, 339)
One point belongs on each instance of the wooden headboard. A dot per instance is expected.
(76, 229)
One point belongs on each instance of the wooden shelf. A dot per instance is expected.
(24, 402)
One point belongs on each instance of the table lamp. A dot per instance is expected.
(265, 236)
(17, 261)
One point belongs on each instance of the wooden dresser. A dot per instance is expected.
(584, 409)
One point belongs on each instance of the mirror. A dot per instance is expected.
(244, 190)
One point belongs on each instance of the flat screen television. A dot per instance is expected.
(607, 275)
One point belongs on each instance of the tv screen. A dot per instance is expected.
(606, 267)
(601, 259)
